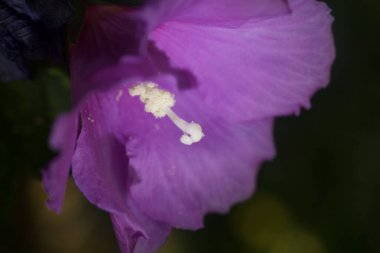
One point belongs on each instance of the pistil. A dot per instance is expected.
(159, 102)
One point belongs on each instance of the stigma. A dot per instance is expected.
(159, 103)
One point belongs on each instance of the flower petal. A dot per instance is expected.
(169, 181)
(62, 139)
(227, 10)
(178, 184)
(265, 67)
(126, 235)
(100, 165)
(133, 68)
(131, 239)
(108, 34)
(213, 11)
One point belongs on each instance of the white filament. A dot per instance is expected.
(159, 102)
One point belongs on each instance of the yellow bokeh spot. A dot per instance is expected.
(266, 225)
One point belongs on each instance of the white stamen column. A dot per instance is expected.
(159, 102)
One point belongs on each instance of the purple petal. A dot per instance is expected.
(101, 172)
(62, 139)
(131, 239)
(213, 11)
(178, 184)
(170, 182)
(126, 236)
(132, 68)
(265, 67)
(100, 165)
(108, 34)
(227, 10)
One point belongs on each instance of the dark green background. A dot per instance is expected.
(321, 194)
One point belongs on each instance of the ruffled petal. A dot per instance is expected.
(126, 235)
(62, 139)
(101, 172)
(178, 184)
(265, 67)
(132, 239)
(226, 10)
(171, 182)
(100, 165)
(208, 12)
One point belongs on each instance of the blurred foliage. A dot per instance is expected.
(320, 195)
(27, 109)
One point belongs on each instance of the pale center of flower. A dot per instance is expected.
(159, 102)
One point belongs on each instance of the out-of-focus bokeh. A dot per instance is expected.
(320, 195)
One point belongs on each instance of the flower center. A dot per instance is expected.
(159, 102)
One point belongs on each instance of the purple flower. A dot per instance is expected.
(29, 31)
(147, 83)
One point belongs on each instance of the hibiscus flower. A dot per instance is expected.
(174, 105)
